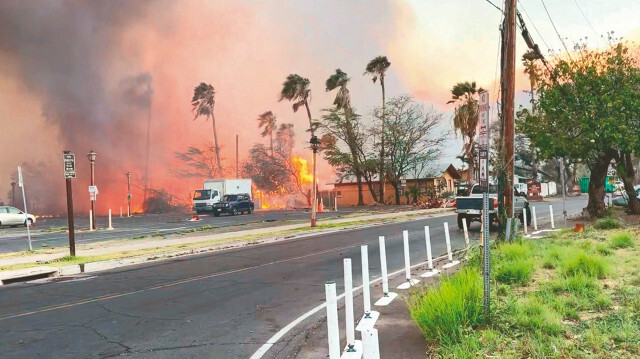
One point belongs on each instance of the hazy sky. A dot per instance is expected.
(63, 65)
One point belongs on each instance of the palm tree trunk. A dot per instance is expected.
(314, 203)
(382, 177)
(215, 144)
(271, 141)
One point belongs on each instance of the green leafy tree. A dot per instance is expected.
(465, 119)
(267, 121)
(588, 108)
(377, 69)
(203, 102)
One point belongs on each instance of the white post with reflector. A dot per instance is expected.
(387, 297)
(353, 346)
(447, 237)
(466, 231)
(110, 226)
(24, 202)
(535, 219)
(370, 344)
(370, 317)
(91, 221)
(553, 224)
(432, 271)
(407, 264)
(332, 320)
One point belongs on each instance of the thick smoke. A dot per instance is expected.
(95, 75)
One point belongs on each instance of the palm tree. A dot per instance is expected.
(268, 120)
(203, 102)
(530, 69)
(465, 118)
(339, 81)
(296, 89)
(377, 69)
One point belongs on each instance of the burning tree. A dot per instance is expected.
(201, 162)
(282, 172)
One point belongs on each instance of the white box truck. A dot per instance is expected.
(214, 189)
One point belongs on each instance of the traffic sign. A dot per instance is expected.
(483, 119)
(69, 160)
(93, 189)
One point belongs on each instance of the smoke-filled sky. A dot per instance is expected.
(86, 75)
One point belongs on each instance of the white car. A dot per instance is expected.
(11, 216)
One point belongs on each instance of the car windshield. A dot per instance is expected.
(229, 198)
(202, 194)
(478, 190)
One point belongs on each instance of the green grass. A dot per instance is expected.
(621, 240)
(515, 272)
(445, 313)
(603, 249)
(583, 263)
(607, 223)
(514, 251)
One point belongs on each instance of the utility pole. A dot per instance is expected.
(69, 161)
(508, 75)
(13, 193)
(237, 172)
(128, 194)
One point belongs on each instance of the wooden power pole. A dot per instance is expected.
(509, 88)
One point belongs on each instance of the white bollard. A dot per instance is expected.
(120, 211)
(466, 232)
(535, 218)
(348, 305)
(370, 344)
(370, 317)
(432, 271)
(447, 238)
(387, 297)
(91, 220)
(407, 263)
(128, 214)
(332, 320)
(335, 204)
(524, 220)
(110, 226)
(553, 224)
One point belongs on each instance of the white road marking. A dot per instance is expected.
(282, 332)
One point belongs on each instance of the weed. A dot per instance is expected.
(515, 250)
(515, 272)
(603, 249)
(531, 315)
(621, 240)
(446, 313)
(607, 223)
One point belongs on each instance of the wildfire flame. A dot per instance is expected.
(303, 169)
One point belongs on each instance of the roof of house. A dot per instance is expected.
(435, 170)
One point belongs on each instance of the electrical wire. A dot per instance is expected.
(533, 24)
(494, 5)
(556, 29)
(586, 19)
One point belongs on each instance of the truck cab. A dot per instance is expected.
(205, 199)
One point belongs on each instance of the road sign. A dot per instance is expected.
(484, 169)
(69, 160)
(483, 119)
(93, 189)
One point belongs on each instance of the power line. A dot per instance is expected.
(494, 5)
(534, 25)
(586, 19)
(554, 27)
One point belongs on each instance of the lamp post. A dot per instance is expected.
(315, 144)
(128, 194)
(92, 159)
(13, 193)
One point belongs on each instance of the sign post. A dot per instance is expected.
(24, 201)
(69, 160)
(483, 140)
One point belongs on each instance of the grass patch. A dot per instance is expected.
(515, 272)
(621, 240)
(603, 249)
(607, 223)
(445, 313)
(583, 263)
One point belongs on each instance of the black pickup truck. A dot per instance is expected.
(470, 207)
(234, 204)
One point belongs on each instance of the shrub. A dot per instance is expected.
(583, 263)
(446, 312)
(621, 240)
(515, 272)
(603, 249)
(607, 223)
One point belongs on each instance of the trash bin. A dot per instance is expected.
(584, 184)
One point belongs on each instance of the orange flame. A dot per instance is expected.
(303, 169)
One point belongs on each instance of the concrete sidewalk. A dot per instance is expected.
(176, 245)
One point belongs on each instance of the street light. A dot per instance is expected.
(315, 144)
(128, 194)
(92, 159)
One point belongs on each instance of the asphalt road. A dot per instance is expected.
(51, 232)
(220, 305)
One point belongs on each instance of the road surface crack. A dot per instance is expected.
(134, 316)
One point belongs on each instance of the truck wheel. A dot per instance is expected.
(250, 210)
(460, 218)
(234, 211)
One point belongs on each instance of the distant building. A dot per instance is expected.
(436, 181)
